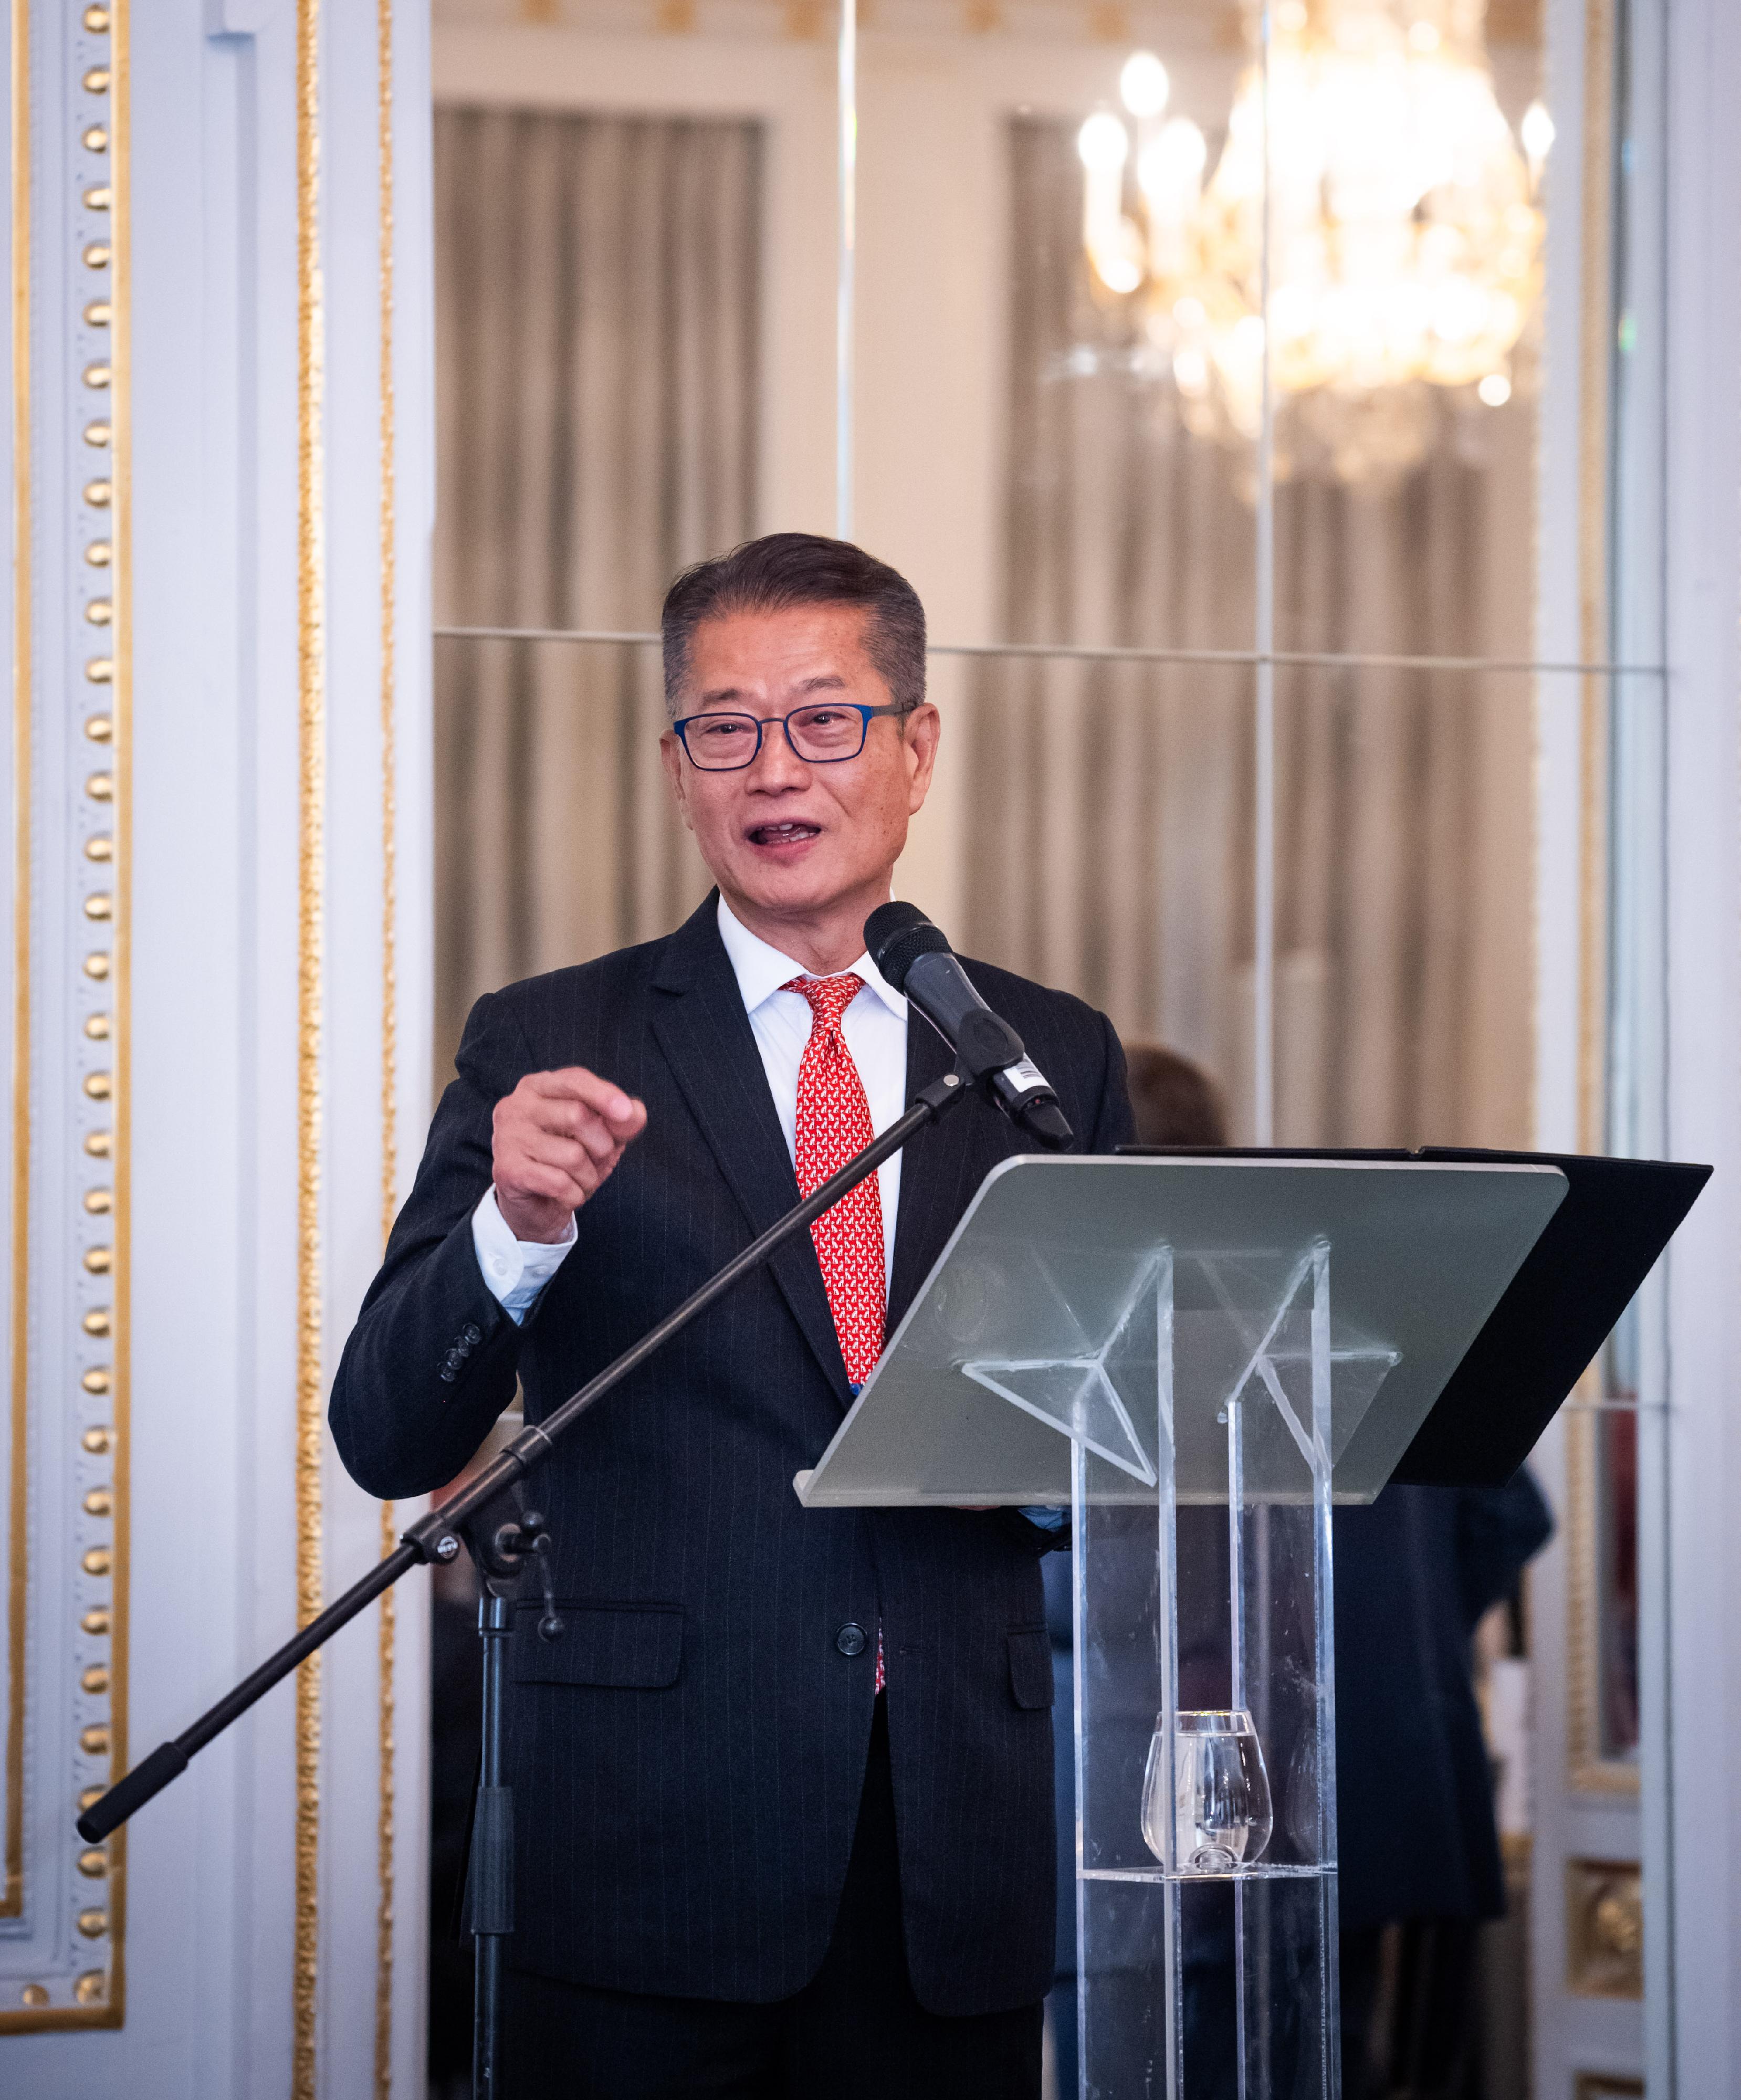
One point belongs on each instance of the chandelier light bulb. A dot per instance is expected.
(1191, 372)
(1143, 84)
(1169, 168)
(1460, 312)
(1114, 243)
(1537, 132)
(1121, 269)
(1495, 390)
(1182, 151)
(1170, 174)
(1104, 144)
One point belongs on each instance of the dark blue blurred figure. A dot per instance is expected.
(1416, 1838)
(1061, 2007)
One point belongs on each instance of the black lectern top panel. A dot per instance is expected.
(1575, 1283)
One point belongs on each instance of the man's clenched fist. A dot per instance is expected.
(556, 1137)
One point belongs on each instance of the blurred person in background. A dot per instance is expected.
(1418, 1840)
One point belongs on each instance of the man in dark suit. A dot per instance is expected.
(784, 1790)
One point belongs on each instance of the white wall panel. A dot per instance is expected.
(235, 859)
(1702, 568)
(1677, 521)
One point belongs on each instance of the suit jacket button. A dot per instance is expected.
(473, 1334)
(850, 1641)
(447, 1376)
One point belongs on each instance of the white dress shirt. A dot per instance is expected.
(875, 1029)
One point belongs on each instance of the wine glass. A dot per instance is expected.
(1221, 1815)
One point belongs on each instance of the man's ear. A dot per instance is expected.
(919, 733)
(670, 757)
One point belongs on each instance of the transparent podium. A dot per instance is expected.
(1198, 1356)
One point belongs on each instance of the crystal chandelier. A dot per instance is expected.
(1405, 231)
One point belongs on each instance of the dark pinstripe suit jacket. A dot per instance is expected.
(687, 1763)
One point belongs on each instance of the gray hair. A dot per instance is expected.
(784, 569)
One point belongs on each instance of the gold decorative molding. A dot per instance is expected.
(1589, 1769)
(98, 1995)
(310, 942)
(1604, 1929)
(12, 1889)
(389, 1005)
(1596, 335)
(119, 1152)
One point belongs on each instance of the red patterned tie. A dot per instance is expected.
(834, 1122)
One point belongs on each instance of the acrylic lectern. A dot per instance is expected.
(1197, 1355)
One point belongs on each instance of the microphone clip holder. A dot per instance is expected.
(985, 1046)
(504, 1552)
(501, 1548)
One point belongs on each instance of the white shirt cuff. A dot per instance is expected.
(515, 1270)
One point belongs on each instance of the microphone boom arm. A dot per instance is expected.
(436, 1535)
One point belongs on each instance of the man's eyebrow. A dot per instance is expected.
(717, 696)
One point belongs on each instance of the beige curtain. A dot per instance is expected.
(596, 287)
(1111, 850)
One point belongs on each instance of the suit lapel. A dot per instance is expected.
(940, 1170)
(700, 1024)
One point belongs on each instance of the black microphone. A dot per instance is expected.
(915, 957)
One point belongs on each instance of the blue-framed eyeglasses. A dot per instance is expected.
(822, 734)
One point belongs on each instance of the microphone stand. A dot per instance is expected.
(437, 1536)
(501, 1552)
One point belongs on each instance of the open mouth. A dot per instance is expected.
(792, 832)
